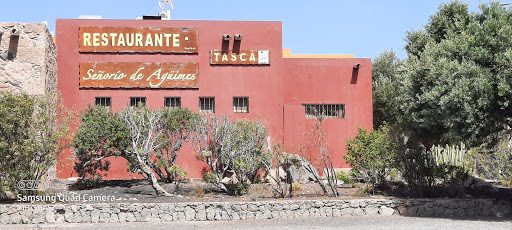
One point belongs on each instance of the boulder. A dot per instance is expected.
(479, 185)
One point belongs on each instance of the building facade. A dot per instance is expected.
(234, 68)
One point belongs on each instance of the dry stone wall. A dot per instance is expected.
(28, 58)
(215, 211)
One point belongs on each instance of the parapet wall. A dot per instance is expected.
(28, 58)
(167, 212)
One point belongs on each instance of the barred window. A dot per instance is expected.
(104, 101)
(326, 110)
(172, 102)
(207, 104)
(240, 104)
(134, 101)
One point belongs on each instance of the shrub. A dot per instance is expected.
(32, 134)
(345, 177)
(371, 155)
(494, 162)
(102, 134)
(226, 145)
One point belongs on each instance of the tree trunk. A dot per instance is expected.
(152, 178)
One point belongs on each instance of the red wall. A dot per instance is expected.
(327, 81)
(276, 91)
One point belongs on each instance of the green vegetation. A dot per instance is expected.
(32, 134)
(225, 145)
(370, 155)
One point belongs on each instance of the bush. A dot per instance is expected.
(493, 162)
(102, 134)
(422, 169)
(237, 189)
(345, 177)
(226, 145)
(32, 134)
(371, 155)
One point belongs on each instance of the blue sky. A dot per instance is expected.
(364, 28)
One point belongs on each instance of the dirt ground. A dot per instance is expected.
(140, 191)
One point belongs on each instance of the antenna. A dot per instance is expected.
(163, 4)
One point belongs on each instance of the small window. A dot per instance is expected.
(240, 104)
(207, 104)
(104, 101)
(172, 102)
(134, 101)
(326, 110)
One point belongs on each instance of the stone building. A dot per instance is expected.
(28, 58)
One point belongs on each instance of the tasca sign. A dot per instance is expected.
(138, 40)
(138, 75)
(242, 57)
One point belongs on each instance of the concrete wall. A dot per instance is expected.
(215, 211)
(327, 81)
(33, 68)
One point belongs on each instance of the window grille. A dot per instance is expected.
(172, 102)
(207, 104)
(240, 104)
(134, 101)
(325, 110)
(104, 101)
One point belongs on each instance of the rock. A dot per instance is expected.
(402, 211)
(371, 210)
(50, 216)
(385, 211)
(190, 214)
(201, 215)
(479, 185)
(8, 194)
(229, 177)
(505, 207)
(275, 174)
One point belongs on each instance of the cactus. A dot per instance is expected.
(449, 155)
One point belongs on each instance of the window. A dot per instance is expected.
(207, 104)
(104, 101)
(326, 110)
(172, 102)
(240, 104)
(134, 101)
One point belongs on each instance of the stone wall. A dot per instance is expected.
(32, 67)
(167, 212)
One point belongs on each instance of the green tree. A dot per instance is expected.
(456, 84)
(371, 155)
(32, 134)
(102, 134)
(386, 105)
(227, 145)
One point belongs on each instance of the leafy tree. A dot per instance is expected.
(177, 124)
(456, 84)
(371, 155)
(102, 134)
(32, 134)
(386, 105)
(226, 145)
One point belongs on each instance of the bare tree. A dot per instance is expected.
(146, 131)
(210, 134)
(318, 138)
(281, 159)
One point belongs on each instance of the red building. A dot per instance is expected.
(236, 68)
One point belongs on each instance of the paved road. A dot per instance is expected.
(352, 223)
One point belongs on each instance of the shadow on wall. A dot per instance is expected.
(355, 73)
